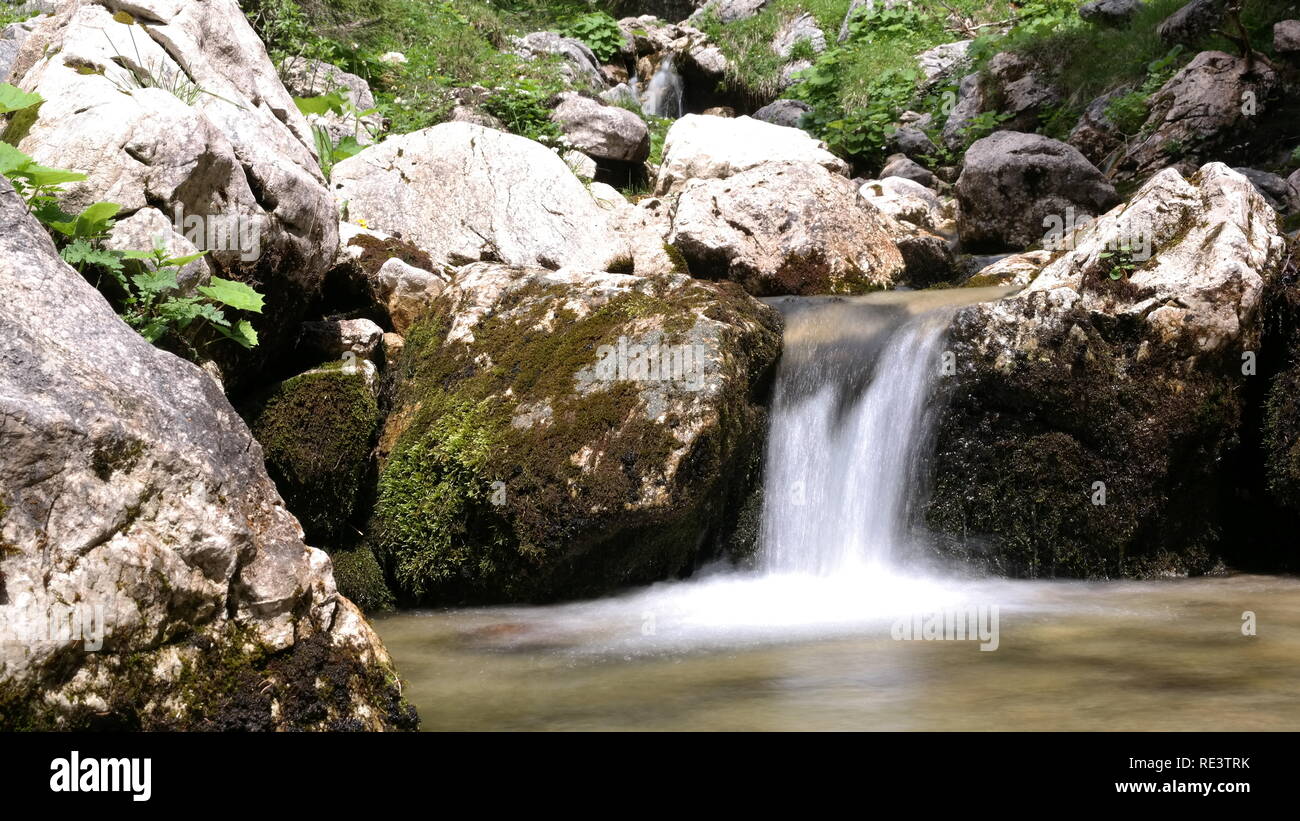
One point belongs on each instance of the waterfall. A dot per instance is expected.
(665, 94)
(850, 430)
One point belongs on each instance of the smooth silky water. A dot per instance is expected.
(803, 637)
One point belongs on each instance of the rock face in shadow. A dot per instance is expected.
(150, 575)
(1113, 377)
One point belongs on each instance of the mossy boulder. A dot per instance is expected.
(535, 450)
(317, 431)
(1084, 431)
(360, 578)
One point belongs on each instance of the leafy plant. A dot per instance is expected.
(36, 184)
(1123, 265)
(600, 32)
(521, 106)
(153, 302)
(337, 102)
(1128, 112)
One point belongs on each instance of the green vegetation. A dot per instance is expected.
(447, 44)
(473, 506)
(599, 31)
(317, 430)
(336, 102)
(142, 285)
(360, 578)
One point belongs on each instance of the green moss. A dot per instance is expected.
(1019, 450)
(375, 252)
(360, 578)
(317, 431)
(226, 682)
(473, 506)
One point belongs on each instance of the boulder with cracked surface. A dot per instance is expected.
(135, 512)
(562, 433)
(784, 228)
(1113, 375)
(228, 147)
(1014, 183)
(464, 193)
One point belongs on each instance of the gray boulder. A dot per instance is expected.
(602, 132)
(579, 64)
(228, 145)
(784, 228)
(1126, 375)
(1213, 104)
(1274, 188)
(1022, 90)
(898, 165)
(463, 193)
(1012, 182)
(786, 113)
(970, 101)
(150, 575)
(1192, 22)
(1286, 36)
(800, 29)
(1109, 12)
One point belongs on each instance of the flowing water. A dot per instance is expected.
(814, 635)
(665, 93)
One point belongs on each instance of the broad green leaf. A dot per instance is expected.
(11, 159)
(92, 222)
(236, 295)
(13, 98)
(155, 282)
(322, 104)
(243, 333)
(181, 262)
(347, 147)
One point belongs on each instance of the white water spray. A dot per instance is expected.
(849, 431)
(665, 93)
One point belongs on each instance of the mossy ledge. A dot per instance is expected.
(505, 479)
(214, 682)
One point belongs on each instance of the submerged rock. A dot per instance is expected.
(1090, 411)
(563, 433)
(134, 505)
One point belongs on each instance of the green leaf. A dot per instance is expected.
(92, 222)
(181, 262)
(155, 282)
(11, 159)
(323, 104)
(236, 295)
(347, 147)
(243, 333)
(15, 99)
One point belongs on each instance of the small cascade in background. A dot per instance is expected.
(665, 93)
